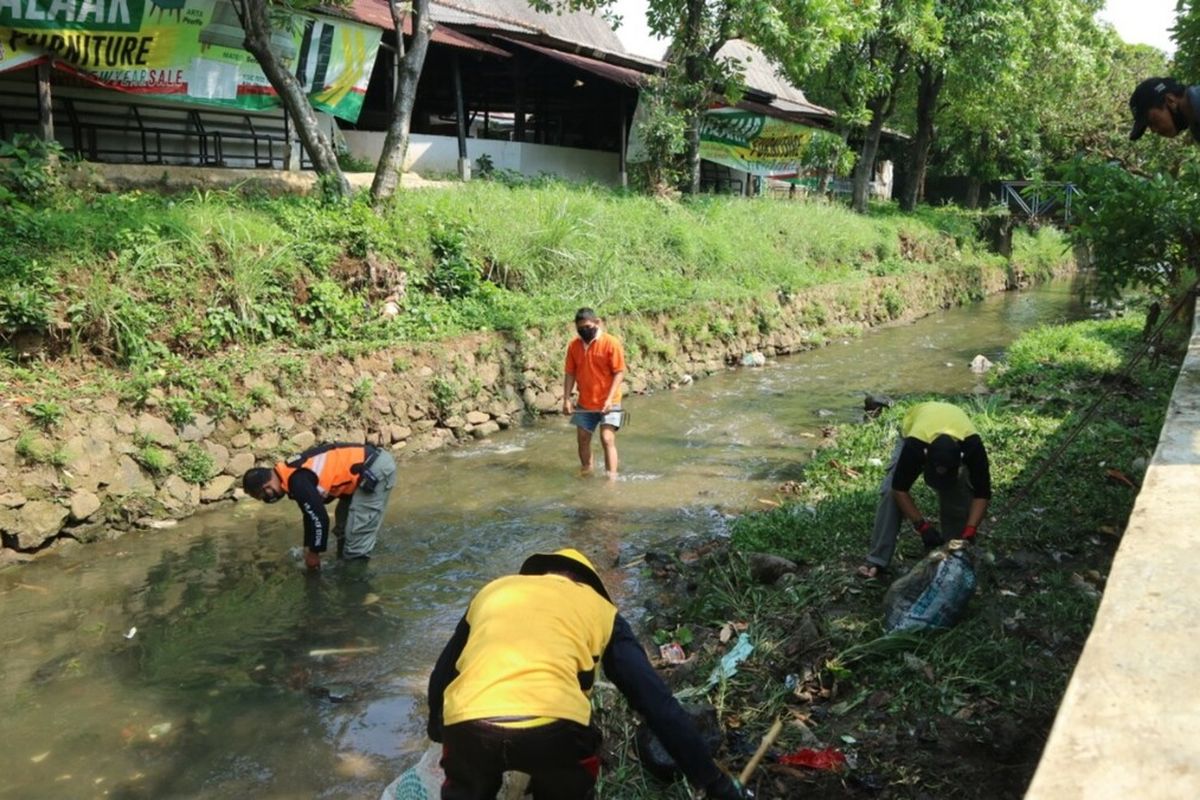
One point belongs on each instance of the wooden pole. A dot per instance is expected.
(45, 103)
(464, 166)
(622, 166)
(767, 741)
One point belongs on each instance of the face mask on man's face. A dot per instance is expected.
(1180, 119)
(588, 333)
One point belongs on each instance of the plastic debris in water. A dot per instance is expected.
(829, 759)
(158, 731)
(980, 364)
(340, 651)
(40, 757)
(132, 632)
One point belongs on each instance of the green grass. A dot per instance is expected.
(1005, 666)
(139, 276)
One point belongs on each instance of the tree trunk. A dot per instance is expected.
(412, 61)
(865, 167)
(256, 23)
(974, 186)
(696, 92)
(930, 86)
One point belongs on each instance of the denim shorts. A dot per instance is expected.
(589, 420)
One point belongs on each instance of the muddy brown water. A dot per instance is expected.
(223, 691)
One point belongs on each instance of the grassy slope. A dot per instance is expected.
(140, 278)
(966, 711)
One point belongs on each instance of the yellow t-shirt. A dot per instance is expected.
(535, 643)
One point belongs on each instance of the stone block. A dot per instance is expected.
(477, 417)
(83, 505)
(34, 523)
(485, 430)
(12, 500)
(239, 463)
(126, 477)
(157, 429)
(219, 454)
(217, 488)
(302, 440)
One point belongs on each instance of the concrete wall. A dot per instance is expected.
(1129, 724)
(431, 154)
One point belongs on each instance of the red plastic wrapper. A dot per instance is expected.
(829, 759)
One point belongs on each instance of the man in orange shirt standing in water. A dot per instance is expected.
(596, 365)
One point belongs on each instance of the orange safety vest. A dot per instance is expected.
(335, 465)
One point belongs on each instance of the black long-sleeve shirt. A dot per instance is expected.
(974, 458)
(626, 665)
(302, 487)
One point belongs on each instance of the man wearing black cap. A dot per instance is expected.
(511, 689)
(1165, 106)
(936, 439)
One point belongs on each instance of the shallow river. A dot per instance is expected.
(219, 693)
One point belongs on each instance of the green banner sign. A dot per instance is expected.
(760, 145)
(189, 50)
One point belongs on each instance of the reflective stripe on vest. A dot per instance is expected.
(332, 464)
(927, 421)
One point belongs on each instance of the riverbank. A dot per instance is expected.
(184, 340)
(964, 712)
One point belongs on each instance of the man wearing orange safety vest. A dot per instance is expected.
(511, 689)
(360, 477)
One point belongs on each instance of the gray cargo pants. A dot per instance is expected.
(954, 505)
(357, 519)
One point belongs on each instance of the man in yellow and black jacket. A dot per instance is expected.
(937, 440)
(510, 689)
(359, 476)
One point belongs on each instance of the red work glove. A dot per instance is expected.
(969, 533)
(931, 537)
(312, 560)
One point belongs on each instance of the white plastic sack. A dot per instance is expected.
(935, 593)
(423, 781)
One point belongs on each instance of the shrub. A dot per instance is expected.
(194, 465)
(46, 415)
(180, 411)
(32, 169)
(153, 458)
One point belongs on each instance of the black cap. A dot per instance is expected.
(255, 479)
(1150, 93)
(570, 561)
(943, 457)
(585, 314)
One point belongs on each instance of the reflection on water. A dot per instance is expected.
(248, 678)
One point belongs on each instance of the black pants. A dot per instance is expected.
(560, 757)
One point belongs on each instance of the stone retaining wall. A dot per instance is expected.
(107, 467)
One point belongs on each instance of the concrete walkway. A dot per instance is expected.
(1129, 724)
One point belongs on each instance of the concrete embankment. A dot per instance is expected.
(1129, 724)
(111, 464)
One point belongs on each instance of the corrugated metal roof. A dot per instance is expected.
(516, 16)
(763, 76)
(377, 13)
(612, 72)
